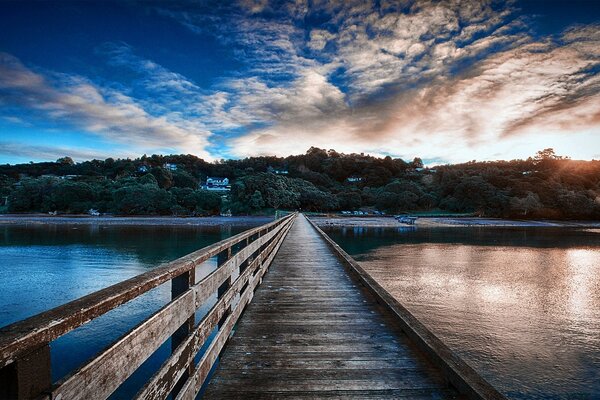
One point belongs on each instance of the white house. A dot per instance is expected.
(217, 184)
(278, 171)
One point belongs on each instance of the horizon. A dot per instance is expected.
(426, 165)
(446, 82)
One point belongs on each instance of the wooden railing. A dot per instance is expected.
(458, 373)
(25, 368)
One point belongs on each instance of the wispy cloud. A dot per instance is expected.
(105, 112)
(457, 80)
(41, 152)
(453, 80)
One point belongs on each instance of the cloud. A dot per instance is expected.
(39, 152)
(105, 112)
(458, 80)
(155, 78)
(448, 79)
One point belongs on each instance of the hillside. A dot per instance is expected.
(544, 186)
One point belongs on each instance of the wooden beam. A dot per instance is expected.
(462, 376)
(19, 338)
(29, 377)
(105, 373)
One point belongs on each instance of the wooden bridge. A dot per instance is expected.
(317, 327)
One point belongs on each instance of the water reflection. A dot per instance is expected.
(521, 305)
(44, 266)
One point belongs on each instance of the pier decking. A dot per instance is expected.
(312, 332)
(290, 315)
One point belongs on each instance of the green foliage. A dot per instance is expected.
(256, 200)
(163, 177)
(138, 199)
(544, 186)
(184, 179)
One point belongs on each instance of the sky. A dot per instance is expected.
(447, 81)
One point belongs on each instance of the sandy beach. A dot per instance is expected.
(449, 222)
(42, 219)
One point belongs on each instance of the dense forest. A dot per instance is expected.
(543, 186)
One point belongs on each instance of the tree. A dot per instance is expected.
(163, 177)
(74, 197)
(183, 179)
(204, 202)
(526, 205)
(349, 200)
(65, 161)
(139, 199)
(546, 154)
(256, 201)
(417, 163)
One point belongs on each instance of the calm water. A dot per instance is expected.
(520, 305)
(42, 267)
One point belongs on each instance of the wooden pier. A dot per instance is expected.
(317, 327)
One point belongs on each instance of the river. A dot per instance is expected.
(520, 305)
(45, 265)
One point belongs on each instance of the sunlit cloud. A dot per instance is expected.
(441, 80)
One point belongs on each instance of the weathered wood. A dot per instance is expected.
(386, 394)
(28, 377)
(194, 384)
(17, 338)
(460, 374)
(180, 285)
(299, 336)
(161, 384)
(99, 378)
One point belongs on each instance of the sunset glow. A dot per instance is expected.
(445, 81)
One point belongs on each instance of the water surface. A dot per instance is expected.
(44, 266)
(520, 305)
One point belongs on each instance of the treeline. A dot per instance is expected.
(544, 186)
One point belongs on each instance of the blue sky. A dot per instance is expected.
(446, 81)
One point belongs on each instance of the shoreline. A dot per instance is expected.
(43, 219)
(321, 221)
(448, 222)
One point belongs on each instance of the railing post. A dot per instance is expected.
(179, 285)
(246, 262)
(222, 257)
(28, 376)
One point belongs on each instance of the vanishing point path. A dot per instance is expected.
(287, 314)
(312, 332)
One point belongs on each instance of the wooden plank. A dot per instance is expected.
(415, 376)
(17, 338)
(412, 394)
(100, 377)
(318, 385)
(236, 363)
(460, 374)
(193, 385)
(163, 381)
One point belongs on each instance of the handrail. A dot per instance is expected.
(24, 345)
(462, 376)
